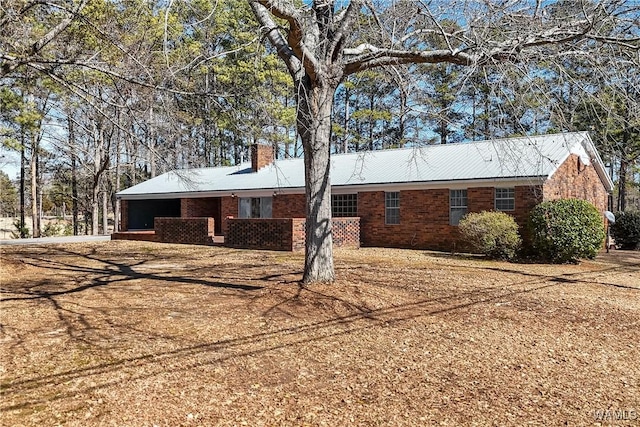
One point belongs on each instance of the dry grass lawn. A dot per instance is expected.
(141, 334)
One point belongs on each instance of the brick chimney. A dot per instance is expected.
(261, 156)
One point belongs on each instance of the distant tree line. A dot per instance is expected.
(98, 95)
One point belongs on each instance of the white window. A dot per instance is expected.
(255, 207)
(457, 205)
(344, 205)
(505, 199)
(392, 207)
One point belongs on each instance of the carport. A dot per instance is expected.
(142, 213)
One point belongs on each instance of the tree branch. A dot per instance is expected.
(270, 31)
(345, 20)
(11, 62)
(380, 57)
(293, 48)
(55, 31)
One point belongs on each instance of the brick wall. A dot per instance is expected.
(424, 216)
(253, 233)
(228, 208)
(284, 206)
(124, 215)
(578, 181)
(261, 156)
(286, 234)
(194, 231)
(199, 207)
(424, 220)
(345, 232)
(298, 233)
(289, 206)
(527, 197)
(480, 199)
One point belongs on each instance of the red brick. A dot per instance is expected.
(124, 215)
(261, 156)
(228, 209)
(424, 214)
(574, 180)
(194, 231)
(286, 234)
(289, 206)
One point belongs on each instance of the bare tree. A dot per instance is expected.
(324, 41)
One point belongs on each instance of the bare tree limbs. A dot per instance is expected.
(327, 40)
(9, 55)
(404, 32)
(285, 51)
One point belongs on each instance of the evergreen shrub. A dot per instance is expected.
(626, 230)
(494, 234)
(566, 230)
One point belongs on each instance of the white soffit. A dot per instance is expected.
(524, 159)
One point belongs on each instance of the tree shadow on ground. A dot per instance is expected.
(182, 359)
(187, 357)
(622, 262)
(112, 272)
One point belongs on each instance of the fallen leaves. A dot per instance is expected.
(190, 335)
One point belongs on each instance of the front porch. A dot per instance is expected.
(281, 234)
(193, 231)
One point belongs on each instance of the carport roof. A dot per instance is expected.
(522, 159)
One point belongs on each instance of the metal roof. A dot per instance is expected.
(523, 159)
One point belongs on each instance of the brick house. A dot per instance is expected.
(409, 197)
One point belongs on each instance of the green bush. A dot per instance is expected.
(51, 229)
(494, 234)
(566, 230)
(20, 232)
(68, 229)
(626, 230)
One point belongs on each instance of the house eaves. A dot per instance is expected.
(515, 161)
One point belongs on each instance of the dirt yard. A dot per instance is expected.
(141, 334)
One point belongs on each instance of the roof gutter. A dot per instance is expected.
(346, 189)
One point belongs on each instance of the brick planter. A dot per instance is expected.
(286, 234)
(193, 231)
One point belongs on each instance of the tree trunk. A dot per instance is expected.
(486, 112)
(23, 161)
(95, 190)
(74, 191)
(624, 166)
(116, 206)
(403, 115)
(95, 210)
(34, 189)
(105, 213)
(152, 144)
(314, 121)
(347, 118)
(622, 184)
(39, 204)
(371, 121)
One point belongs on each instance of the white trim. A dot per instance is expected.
(588, 155)
(432, 185)
(458, 208)
(387, 209)
(349, 189)
(597, 162)
(495, 199)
